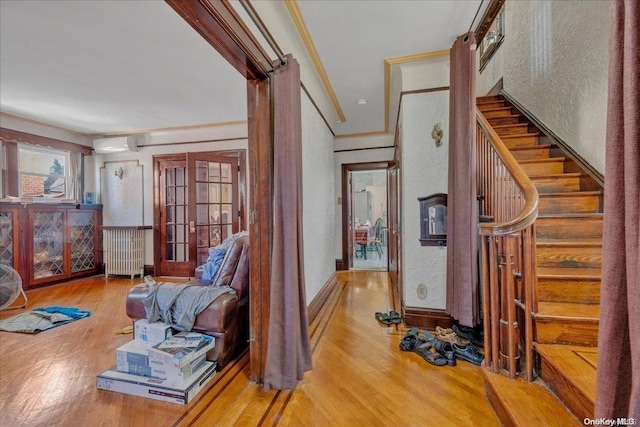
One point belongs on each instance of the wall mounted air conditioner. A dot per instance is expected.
(115, 144)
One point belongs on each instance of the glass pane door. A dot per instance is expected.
(215, 201)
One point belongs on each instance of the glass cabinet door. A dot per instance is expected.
(82, 240)
(48, 244)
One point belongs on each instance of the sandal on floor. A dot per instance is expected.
(433, 358)
(395, 317)
(383, 318)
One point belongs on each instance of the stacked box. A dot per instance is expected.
(155, 388)
(133, 358)
(179, 350)
(151, 333)
(175, 374)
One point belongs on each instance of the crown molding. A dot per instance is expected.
(169, 129)
(388, 62)
(301, 26)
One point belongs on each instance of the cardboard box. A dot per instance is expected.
(175, 374)
(154, 388)
(151, 333)
(133, 358)
(180, 350)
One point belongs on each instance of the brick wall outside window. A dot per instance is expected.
(32, 185)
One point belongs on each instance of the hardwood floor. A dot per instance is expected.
(360, 377)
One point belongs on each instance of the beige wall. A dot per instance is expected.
(554, 62)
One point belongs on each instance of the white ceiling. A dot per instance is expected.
(97, 67)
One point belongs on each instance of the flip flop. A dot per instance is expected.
(395, 317)
(383, 318)
(433, 358)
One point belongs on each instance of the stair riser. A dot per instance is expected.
(543, 168)
(569, 257)
(523, 141)
(516, 129)
(569, 228)
(497, 113)
(494, 121)
(566, 331)
(487, 105)
(531, 154)
(569, 204)
(574, 398)
(568, 290)
(558, 184)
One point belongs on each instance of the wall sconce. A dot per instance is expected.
(437, 133)
(119, 172)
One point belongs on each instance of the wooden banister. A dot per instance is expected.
(509, 197)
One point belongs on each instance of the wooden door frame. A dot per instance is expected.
(220, 25)
(346, 200)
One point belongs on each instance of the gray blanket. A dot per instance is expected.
(179, 304)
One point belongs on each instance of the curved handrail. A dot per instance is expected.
(529, 212)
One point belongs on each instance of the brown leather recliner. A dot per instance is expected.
(226, 318)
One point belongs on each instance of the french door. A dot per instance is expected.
(196, 208)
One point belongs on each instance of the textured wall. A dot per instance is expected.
(424, 172)
(554, 61)
(122, 198)
(318, 198)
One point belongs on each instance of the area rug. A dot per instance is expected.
(41, 319)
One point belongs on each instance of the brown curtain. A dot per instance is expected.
(288, 346)
(618, 373)
(462, 209)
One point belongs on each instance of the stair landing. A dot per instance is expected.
(570, 371)
(524, 403)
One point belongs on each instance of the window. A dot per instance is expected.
(43, 172)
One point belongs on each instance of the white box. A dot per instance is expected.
(151, 333)
(177, 357)
(154, 388)
(175, 374)
(133, 358)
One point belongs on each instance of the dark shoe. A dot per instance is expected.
(433, 358)
(471, 334)
(383, 318)
(395, 317)
(410, 342)
(446, 350)
(468, 353)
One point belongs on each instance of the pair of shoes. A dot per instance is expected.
(388, 318)
(468, 353)
(448, 335)
(410, 342)
(434, 358)
(446, 351)
(383, 318)
(472, 334)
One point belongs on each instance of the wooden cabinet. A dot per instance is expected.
(53, 243)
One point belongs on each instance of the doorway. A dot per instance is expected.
(196, 197)
(365, 216)
(369, 213)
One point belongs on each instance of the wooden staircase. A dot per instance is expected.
(568, 266)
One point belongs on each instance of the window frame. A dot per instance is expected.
(9, 185)
(44, 150)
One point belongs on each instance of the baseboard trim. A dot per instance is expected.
(321, 298)
(427, 318)
(340, 265)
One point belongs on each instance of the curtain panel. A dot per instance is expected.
(618, 370)
(288, 345)
(462, 209)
